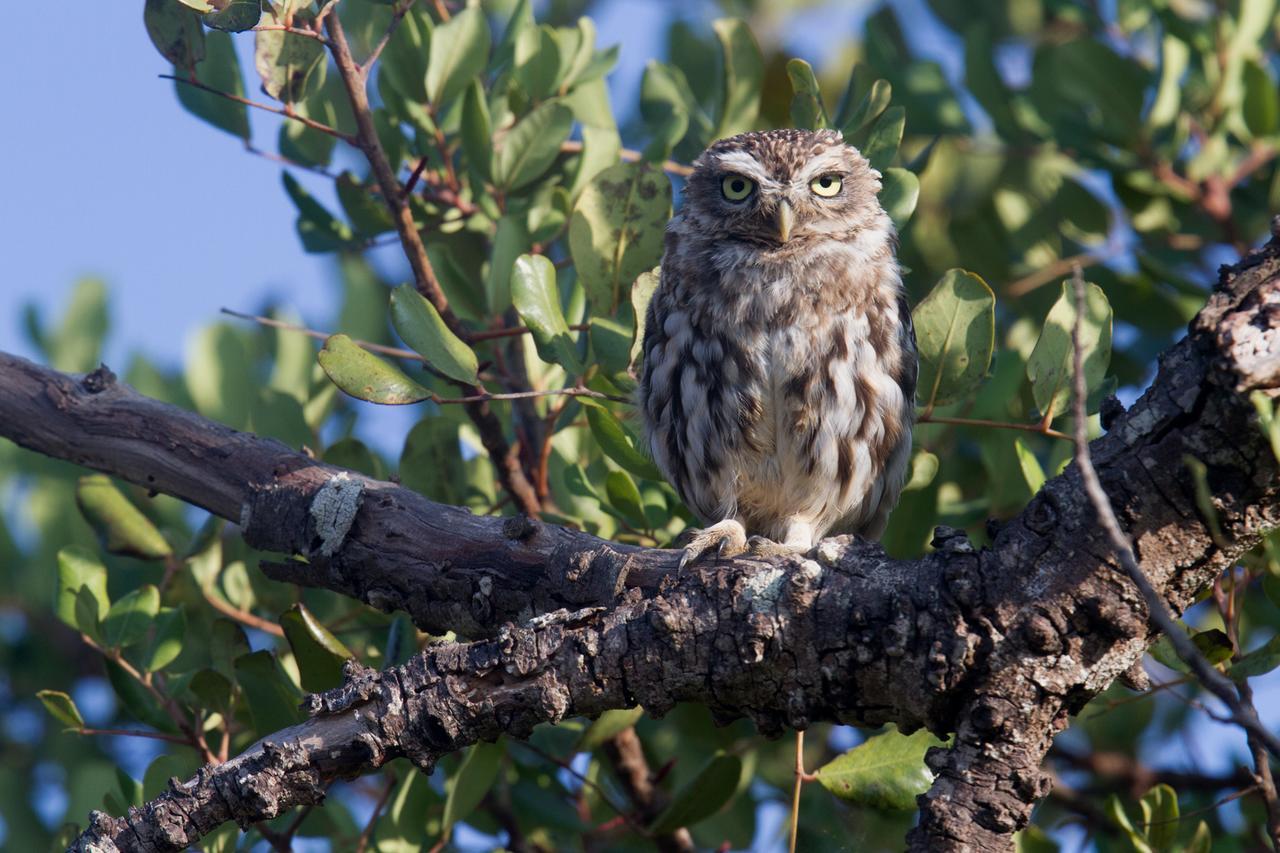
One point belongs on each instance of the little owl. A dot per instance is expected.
(779, 359)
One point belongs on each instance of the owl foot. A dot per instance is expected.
(728, 538)
(759, 546)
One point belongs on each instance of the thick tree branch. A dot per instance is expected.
(999, 646)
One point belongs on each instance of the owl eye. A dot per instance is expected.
(736, 187)
(826, 186)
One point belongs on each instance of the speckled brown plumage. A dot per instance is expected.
(779, 360)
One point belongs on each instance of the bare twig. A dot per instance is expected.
(394, 352)
(136, 733)
(1037, 428)
(671, 167)
(1204, 671)
(1051, 272)
(257, 105)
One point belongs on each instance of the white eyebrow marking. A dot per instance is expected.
(744, 164)
(827, 161)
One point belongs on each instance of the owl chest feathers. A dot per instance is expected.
(777, 393)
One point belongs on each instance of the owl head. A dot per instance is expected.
(784, 189)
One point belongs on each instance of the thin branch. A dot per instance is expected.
(490, 334)
(136, 733)
(258, 105)
(1204, 671)
(394, 352)
(397, 14)
(311, 34)
(671, 167)
(1055, 270)
(1038, 428)
(586, 781)
(527, 395)
(367, 834)
(244, 617)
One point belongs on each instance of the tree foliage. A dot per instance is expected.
(1137, 144)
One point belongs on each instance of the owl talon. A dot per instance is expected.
(760, 546)
(727, 538)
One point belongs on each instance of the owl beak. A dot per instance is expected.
(786, 218)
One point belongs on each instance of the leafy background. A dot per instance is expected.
(1135, 139)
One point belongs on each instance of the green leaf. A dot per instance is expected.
(431, 462)
(806, 101)
(88, 616)
(176, 32)
(354, 454)
(136, 699)
(642, 291)
(235, 16)
(1115, 811)
(76, 346)
(1261, 100)
(129, 619)
(537, 61)
(1174, 55)
(212, 689)
(477, 131)
(510, 242)
(120, 525)
(219, 70)
(216, 369)
(78, 568)
(319, 654)
(608, 725)
(875, 102)
(1050, 365)
(272, 697)
(985, 83)
(668, 107)
(1260, 661)
(291, 66)
(459, 51)
(537, 299)
(1033, 839)
(404, 60)
(617, 230)
(366, 212)
(899, 191)
(702, 796)
(886, 771)
(743, 77)
(619, 444)
(418, 323)
(475, 776)
(1160, 816)
(181, 764)
(955, 336)
(61, 707)
(365, 376)
(166, 645)
(319, 230)
(886, 136)
(625, 498)
(1032, 473)
(530, 147)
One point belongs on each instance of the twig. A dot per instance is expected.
(136, 733)
(795, 791)
(363, 841)
(490, 334)
(312, 34)
(585, 780)
(258, 105)
(287, 161)
(244, 617)
(1204, 671)
(397, 14)
(394, 352)
(671, 167)
(526, 395)
(1262, 772)
(1053, 271)
(1038, 428)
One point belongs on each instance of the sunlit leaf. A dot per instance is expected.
(121, 526)
(620, 445)
(617, 229)
(1050, 365)
(899, 191)
(61, 707)
(459, 51)
(887, 771)
(608, 725)
(418, 323)
(537, 299)
(743, 76)
(955, 336)
(807, 109)
(129, 618)
(366, 376)
(527, 150)
(320, 655)
(78, 567)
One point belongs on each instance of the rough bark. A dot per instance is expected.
(999, 646)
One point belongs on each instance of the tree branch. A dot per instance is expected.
(999, 646)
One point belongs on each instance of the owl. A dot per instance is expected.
(779, 365)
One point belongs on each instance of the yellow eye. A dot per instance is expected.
(826, 186)
(736, 187)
